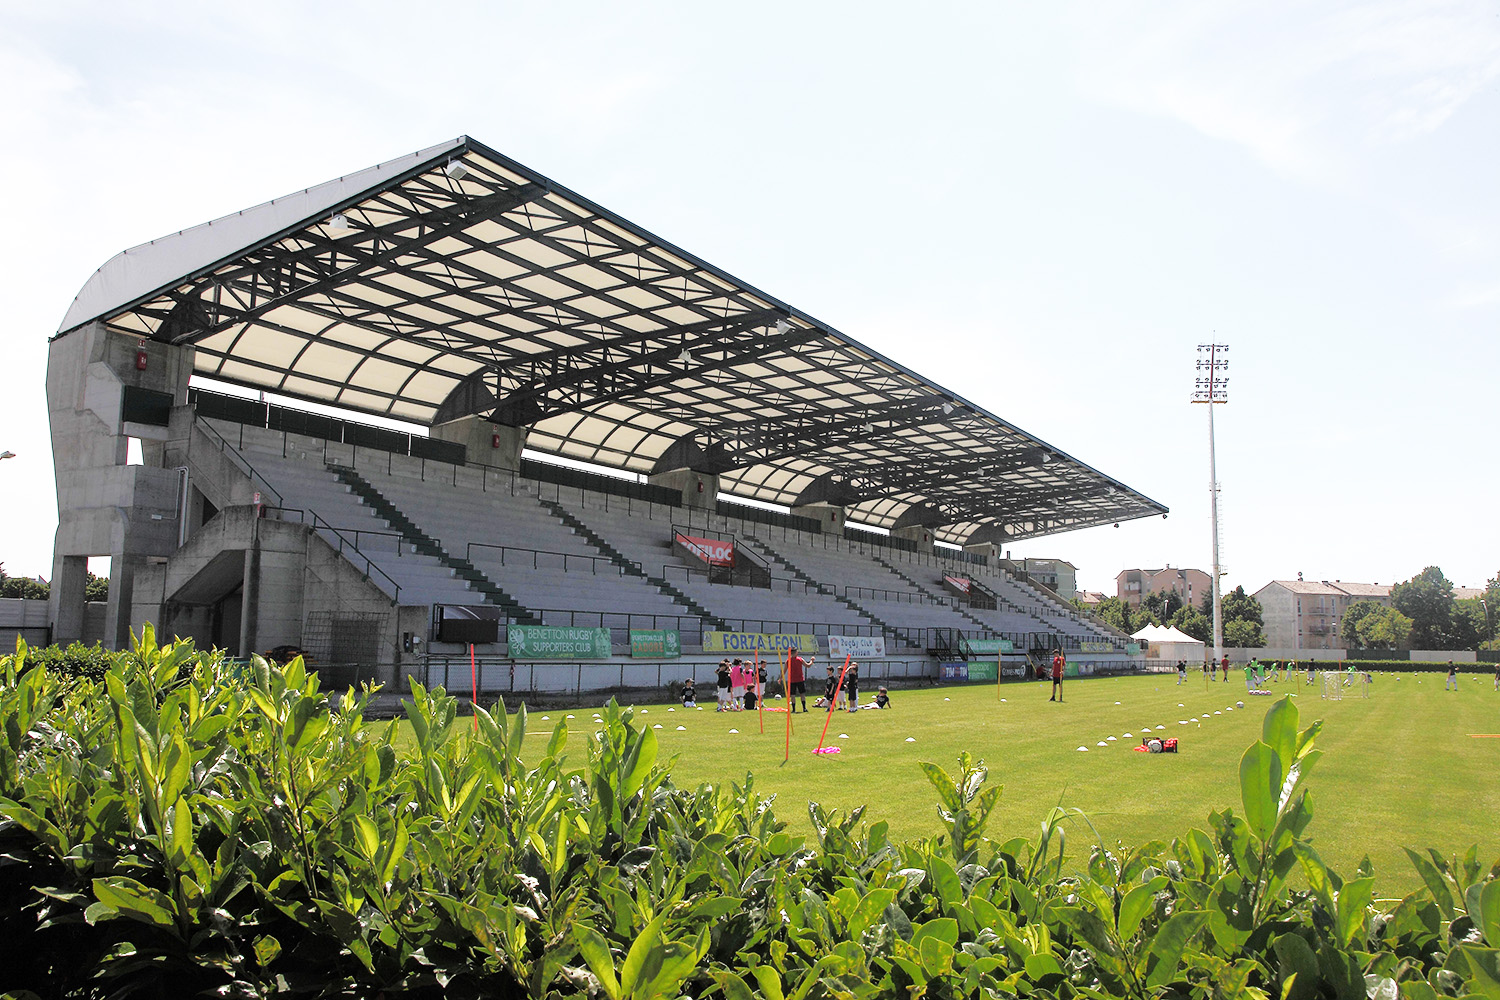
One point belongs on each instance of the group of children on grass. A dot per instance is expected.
(739, 686)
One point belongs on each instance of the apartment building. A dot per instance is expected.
(1307, 614)
(1132, 585)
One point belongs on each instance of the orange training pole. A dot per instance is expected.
(834, 701)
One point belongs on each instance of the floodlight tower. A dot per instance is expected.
(1213, 389)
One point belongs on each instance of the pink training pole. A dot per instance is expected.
(784, 660)
(760, 695)
(836, 689)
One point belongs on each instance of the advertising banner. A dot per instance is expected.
(749, 642)
(955, 671)
(1096, 646)
(714, 551)
(983, 670)
(990, 647)
(663, 643)
(1133, 649)
(961, 582)
(551, 642)
(861, 647)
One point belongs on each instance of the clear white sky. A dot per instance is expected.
(1043, 207)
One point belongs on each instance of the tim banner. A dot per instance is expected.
(861, 647)
(662, 643)
(554, 642)
(954, 671)
(714, 551)
(986, 647)
(750, 642)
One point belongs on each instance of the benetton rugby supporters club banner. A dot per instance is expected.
(713, 551)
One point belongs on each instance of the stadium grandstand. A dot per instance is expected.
(595, 454)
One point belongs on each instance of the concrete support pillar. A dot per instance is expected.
(700, 490)
(106, 508)
(486, 443)
(919, 533)
(69, 574)
(830, 516)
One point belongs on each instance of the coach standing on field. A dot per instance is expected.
(796, 678)
(1058, 662)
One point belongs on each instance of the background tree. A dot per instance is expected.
(1162, 604)
(1126, 618)
(1427, 599)
(1491, 609)
(22, 586)
(1244, 619)
(1368, 625)
(96, 588)
(1195, 623)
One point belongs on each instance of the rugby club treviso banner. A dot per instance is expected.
(750, 642)
(713, 551)
(861, 647)
(664, 643)
(552, 642)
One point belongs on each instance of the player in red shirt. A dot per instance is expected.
(1057, 675)
(796, 677)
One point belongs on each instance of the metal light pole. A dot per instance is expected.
(1211, 390)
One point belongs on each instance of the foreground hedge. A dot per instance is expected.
(181, 829)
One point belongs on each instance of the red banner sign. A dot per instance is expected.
(710, 550)
(961, 582)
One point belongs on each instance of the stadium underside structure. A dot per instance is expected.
(462, 292)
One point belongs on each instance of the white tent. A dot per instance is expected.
(1163, 642)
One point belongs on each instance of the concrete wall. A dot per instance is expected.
(1279, 614)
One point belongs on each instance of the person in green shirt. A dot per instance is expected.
(1250, 676)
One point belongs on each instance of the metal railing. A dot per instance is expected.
(225, 448)
(508, 554)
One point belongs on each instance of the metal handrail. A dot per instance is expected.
(593, 561)
(370, 564)
(899, 596)
(228, 449)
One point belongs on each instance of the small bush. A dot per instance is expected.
(182, 828)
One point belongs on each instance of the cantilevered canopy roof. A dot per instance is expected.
(456, 282)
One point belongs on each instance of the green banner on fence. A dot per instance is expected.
(983, 670)
(663, 643)
(982, 646)
(1133, 649)
(552, 642)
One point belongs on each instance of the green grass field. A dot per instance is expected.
(1399, 768)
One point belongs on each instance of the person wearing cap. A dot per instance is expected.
(1452, 680)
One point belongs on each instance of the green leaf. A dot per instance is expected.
(395, 852)
(595, 951)
(638, 763)
(1298, 967)
(937, 957)
(134, 900)
(1488, 917)
(1260, 783)
(367, 836)
(1354, 902)
(181, 844)
(636, 959)
(769, 982)
(733, 986)
(1279, 730)
(1434, 882)
(266, 950)
(1170, 942)
(1136, 904)
(1086, 926)
(944, 929)
(1484, 968)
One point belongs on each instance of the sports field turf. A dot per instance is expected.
(1399, 768)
